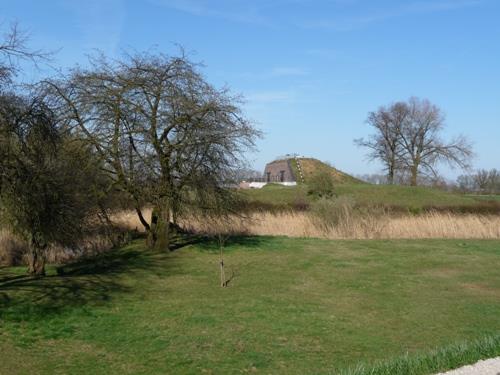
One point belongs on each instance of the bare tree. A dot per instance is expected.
(494, 181)
(246, 174)
(13, 49)
(422, 144)
(163, 131)
(385, 144)
(408, 140)
(481, 180)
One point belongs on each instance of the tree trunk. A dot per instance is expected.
(159, 232)
(223, 282)
(390, 175)
(152, 230)
(414, 173)
(36, 259)
(163, 230)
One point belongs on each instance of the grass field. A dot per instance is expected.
(396, 196)
(294, 306)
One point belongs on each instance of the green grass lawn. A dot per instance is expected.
(294, 306)
(404, 197)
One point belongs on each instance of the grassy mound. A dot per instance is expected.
(312, 166)
(294, 306)
(414, 199)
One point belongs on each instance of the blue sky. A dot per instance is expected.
(310, 70)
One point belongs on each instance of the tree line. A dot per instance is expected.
(147, 128)
(481, 181)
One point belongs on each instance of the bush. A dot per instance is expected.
(321, 185)
(300, 202)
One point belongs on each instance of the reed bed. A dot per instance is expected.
(14, 252)
(368, 226)
(432, 225)
(291, 224)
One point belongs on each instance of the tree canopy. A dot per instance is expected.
(166, 135)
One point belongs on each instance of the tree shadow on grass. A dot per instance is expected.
(90, 281)
(96, 280)
(233, 243)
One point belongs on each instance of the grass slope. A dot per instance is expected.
(395, 196)
(294, 307)
(310, 166)
(413, 198)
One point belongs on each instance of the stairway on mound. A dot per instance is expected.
(299, 169)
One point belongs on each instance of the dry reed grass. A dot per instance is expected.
(14, 252)
(303, 224)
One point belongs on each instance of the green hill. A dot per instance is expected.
(311, 166)
(394, 197)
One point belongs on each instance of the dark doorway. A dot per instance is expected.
(282, 176)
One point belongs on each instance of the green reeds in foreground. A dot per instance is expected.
(439, 360)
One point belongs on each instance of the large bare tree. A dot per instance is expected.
(423, 145)
(384, 144)
(408, 139)
(166, 135)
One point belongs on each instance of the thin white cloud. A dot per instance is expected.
(243, 11)
(409, 9)
(267, 97)
(235, 11)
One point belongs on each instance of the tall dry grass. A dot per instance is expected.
(364, 226)
(432, 225)
(14, 252)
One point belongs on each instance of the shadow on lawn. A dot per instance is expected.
(233, 242)
(96, 280)
(89, 281)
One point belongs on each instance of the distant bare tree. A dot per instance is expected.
(423, 147)
(246, 174)
(494, 181)
(465, 183)
(385, 144)
(408, 141)
(481, 180)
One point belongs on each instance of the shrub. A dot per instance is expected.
(321, 184)
(300, 202)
